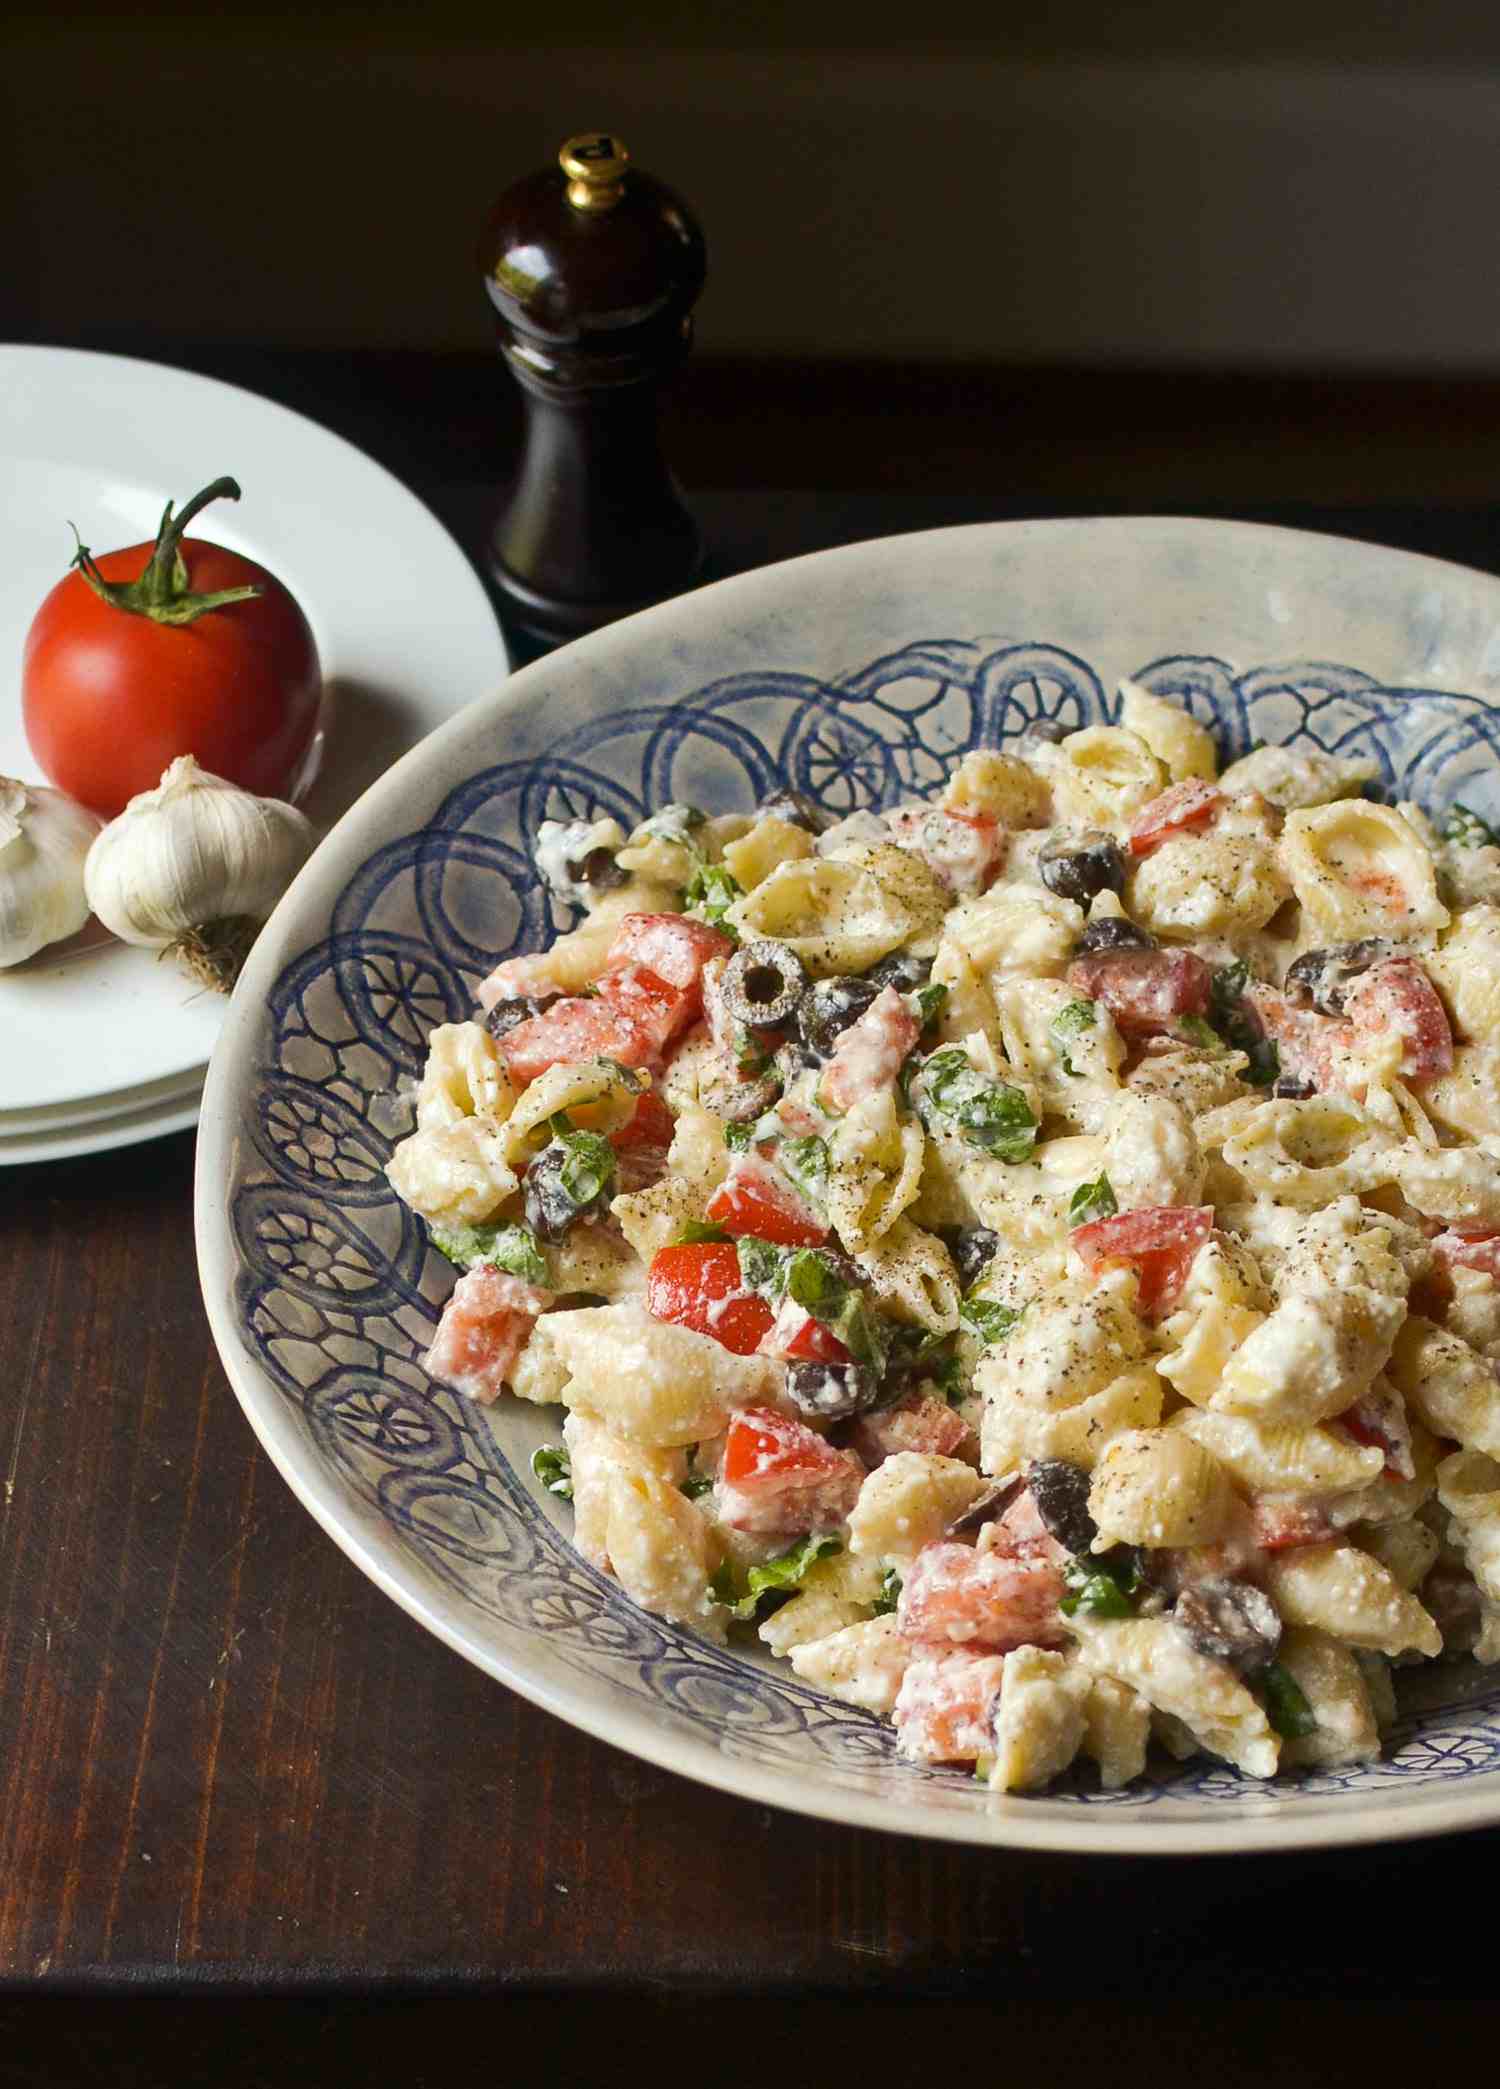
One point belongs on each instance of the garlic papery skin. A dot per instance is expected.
(196, 866)
(44, 838)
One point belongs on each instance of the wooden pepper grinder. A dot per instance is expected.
(593, 269)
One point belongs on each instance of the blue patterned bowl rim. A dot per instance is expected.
(842, 642)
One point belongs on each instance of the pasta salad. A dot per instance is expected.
(1032, 1258)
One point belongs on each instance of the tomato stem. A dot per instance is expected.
(162, 591)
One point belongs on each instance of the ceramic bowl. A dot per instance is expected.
(858, 677)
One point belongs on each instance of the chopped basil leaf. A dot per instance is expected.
(761, 1265)
(809, 1280)
(990, 1114)
(693, 1230)
(988, 1318)
(1092, 1200)
(511, 1248)
(696, 1485)
(805, 1162)
(711, 892)
(588, 1167)
(1067, 1024)
(930, 1002)
(1193, 1030)
(1265, 1062)
(784, 1573)
(750, 1055)
(1286, 1702)
(1226, 989)
(737, 1137)
(1467, 830)
(1238, 1026)
(1101, 1588)
(910, 1348)
(947, 1374)
(890, 1593)
(553, 1466)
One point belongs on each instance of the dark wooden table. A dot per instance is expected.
(228, 1763)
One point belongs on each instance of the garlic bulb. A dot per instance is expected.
(44, 838)
(195, 866)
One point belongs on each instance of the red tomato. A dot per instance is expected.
(697, 1284)
(918, 1423)
(571, 1030)
(652, 1125)
(1378, 1420)
(1159, 1243)
(1398, 996)
(1280, 1522)
(754, 1199)
(962, 849)
(954, 1595)
(945, 1709)
(485, 1326)
(1311, 1047)
(1146, 991)
(869, 1054)
(110, 695)
(796, 1335)
(658, 1009)
(780, 1477)
(1180, 809)
(673, 946)
(1474, 1250)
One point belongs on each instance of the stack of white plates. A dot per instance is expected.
(101, 1046)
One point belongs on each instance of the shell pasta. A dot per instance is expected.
(1028, 1258)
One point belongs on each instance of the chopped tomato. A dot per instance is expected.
(673, 946)
(1159, 1244)
(780, 1477)
(1473, 1250)
(797, 1336)
(486, 1324)
(945, 1710)
(1399, 997)
(1313, 1048)
(651, 1125)
(1182, 808)
(658, 1009)
(962, 849)
(1281, 1521)
(697, 1284)
(1021, 1534)
(869, 1054)
(955, 1595)
(1146, 991)
(753, 1198)
(571, 1030)
(920, 1422)
(1378, 1419)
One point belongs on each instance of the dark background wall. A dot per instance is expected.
(1295, 186)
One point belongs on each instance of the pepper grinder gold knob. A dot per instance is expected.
(595, 164)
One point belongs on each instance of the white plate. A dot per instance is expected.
(854, 676)
(125, 1102)
(404, 629)
(129, 1128)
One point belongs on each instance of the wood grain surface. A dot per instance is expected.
(227, 1761)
